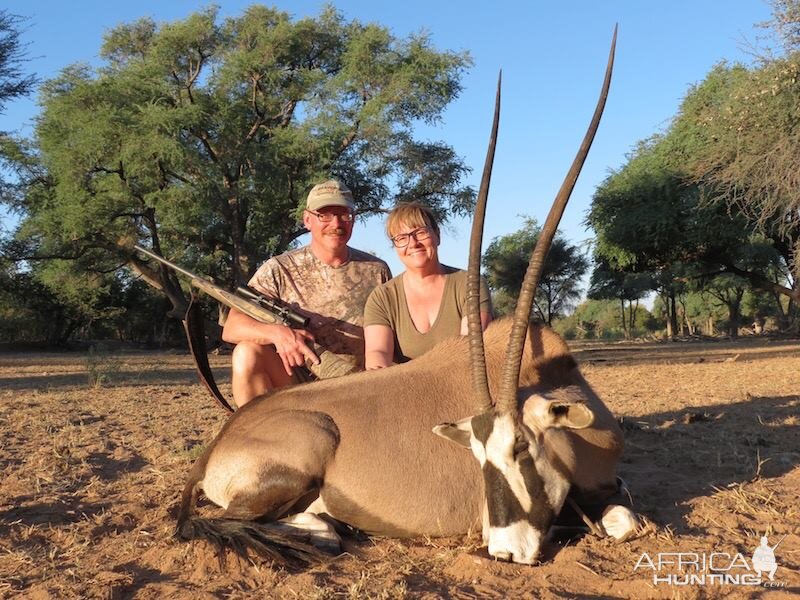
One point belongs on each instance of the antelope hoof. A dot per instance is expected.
(619, 522)
(321, 534)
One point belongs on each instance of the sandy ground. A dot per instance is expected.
(90, 479)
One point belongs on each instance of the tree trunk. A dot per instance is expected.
(733, 317)
(783, 316)
(673, 316)
(633, 316)
(710, 326)
(624, 321)
(690, 327)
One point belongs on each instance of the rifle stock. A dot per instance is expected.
(330, 364)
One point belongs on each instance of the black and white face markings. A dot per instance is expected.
(519, 486)
(523, 490)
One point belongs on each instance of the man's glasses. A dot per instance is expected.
(327, 217)
(401, 240)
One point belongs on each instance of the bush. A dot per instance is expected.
(101, 366)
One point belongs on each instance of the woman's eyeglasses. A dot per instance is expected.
(327, 217)
(401, 240)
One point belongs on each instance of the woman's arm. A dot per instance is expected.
(378, 347)
(486, 318)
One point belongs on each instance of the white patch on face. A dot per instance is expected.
(500, 453)
(477, 449)
(518, 542)
(537, 418)
(556, 486)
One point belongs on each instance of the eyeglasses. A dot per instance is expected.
(327, 217)
(419, 234)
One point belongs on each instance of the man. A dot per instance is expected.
(327, 281)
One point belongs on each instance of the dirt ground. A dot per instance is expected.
(90, 479)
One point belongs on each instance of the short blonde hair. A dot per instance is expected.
(413, 214)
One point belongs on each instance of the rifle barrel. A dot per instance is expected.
(163, 260)
(331, 365)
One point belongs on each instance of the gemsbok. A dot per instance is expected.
(358, 450)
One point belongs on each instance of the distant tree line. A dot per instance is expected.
(200, 138)
(709, 210)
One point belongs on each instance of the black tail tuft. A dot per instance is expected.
(241, 537)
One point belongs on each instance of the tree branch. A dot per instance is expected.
(763, 283)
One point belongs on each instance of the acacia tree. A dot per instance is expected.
(14, 82)
(651, 217)
(736, 136)
(201, 139)
(506, 260)
(641, 214)
(610, 284)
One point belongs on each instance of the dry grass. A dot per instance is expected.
(90, 479)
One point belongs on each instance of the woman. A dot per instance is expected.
(408, 315)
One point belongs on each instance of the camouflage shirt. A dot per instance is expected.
(332, 297)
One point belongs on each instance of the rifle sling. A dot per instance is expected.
(195, 334)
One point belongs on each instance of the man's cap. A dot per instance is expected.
(329, 193)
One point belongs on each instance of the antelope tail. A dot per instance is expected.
(268, 540)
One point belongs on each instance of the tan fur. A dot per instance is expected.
(388, 473)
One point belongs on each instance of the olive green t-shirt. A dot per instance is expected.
(387, 305)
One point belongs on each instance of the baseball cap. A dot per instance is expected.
(329, 193)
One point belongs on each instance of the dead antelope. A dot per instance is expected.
(359, 449)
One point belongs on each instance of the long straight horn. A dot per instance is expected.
(507, 397)
(480, 383)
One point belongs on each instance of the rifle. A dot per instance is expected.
(255, 305)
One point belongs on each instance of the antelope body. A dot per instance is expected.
(360, 448)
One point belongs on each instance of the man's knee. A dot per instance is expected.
(249, 358)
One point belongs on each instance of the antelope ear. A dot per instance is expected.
(460, 432)
(570, 414)
(559, 408)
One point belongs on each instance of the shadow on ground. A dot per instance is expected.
(674, 456)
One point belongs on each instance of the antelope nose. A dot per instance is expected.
(502, 555)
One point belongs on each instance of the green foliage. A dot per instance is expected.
(56, 304)
(607, 283)
(201, 138)
(600, 320)
(717, 194)
(736, 137)
(654, 221)
(726, 305)
(506, 261)
(29, 311)
(739, 132)
(13, 82)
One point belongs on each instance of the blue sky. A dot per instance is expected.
(552, 55)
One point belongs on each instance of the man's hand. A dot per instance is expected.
(292, 348)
